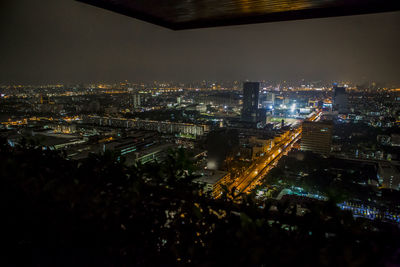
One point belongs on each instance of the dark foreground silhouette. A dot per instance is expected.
(98, 212)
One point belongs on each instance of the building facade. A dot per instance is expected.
(317, 136)
(340, 100)
(250, 101)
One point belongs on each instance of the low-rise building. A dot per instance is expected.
(389, 175)
(212, 181)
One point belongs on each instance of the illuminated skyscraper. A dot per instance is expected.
(340, 101)
(250, 101)
(317, 137)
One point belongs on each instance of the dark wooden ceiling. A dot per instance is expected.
(189, 14)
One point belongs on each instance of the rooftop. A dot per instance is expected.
(210, 176)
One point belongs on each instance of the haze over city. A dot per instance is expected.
(124, 143)
(48, 41)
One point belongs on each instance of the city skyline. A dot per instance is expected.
(66, 41)
(123, 143)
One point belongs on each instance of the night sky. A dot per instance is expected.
(46, 41)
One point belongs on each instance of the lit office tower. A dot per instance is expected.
(340, 101)
(250, 101)
(317, 136)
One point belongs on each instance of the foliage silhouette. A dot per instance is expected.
(100, 212)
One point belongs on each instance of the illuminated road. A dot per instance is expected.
(257, 171)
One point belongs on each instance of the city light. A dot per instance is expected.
(123, 144)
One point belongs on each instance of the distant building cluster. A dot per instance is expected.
(236, 132)
(159, 126)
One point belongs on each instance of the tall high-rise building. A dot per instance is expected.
(317, 136)
(340, 101)
(135, 101)
(250, 101)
